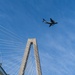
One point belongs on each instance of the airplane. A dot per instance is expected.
(51, 23)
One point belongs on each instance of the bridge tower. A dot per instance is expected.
(26, 54)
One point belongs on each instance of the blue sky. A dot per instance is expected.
(22, 19)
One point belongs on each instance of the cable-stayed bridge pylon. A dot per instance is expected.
(26, 55)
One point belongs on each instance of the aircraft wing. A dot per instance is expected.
(52, 20)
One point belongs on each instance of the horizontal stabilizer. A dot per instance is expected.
(44, 20)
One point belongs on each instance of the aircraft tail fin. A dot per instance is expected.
(43, 20)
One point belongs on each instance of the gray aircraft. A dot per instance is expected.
(51, 23)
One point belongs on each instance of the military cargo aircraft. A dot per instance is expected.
(51, 23)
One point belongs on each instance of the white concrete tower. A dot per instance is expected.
(26, 54)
